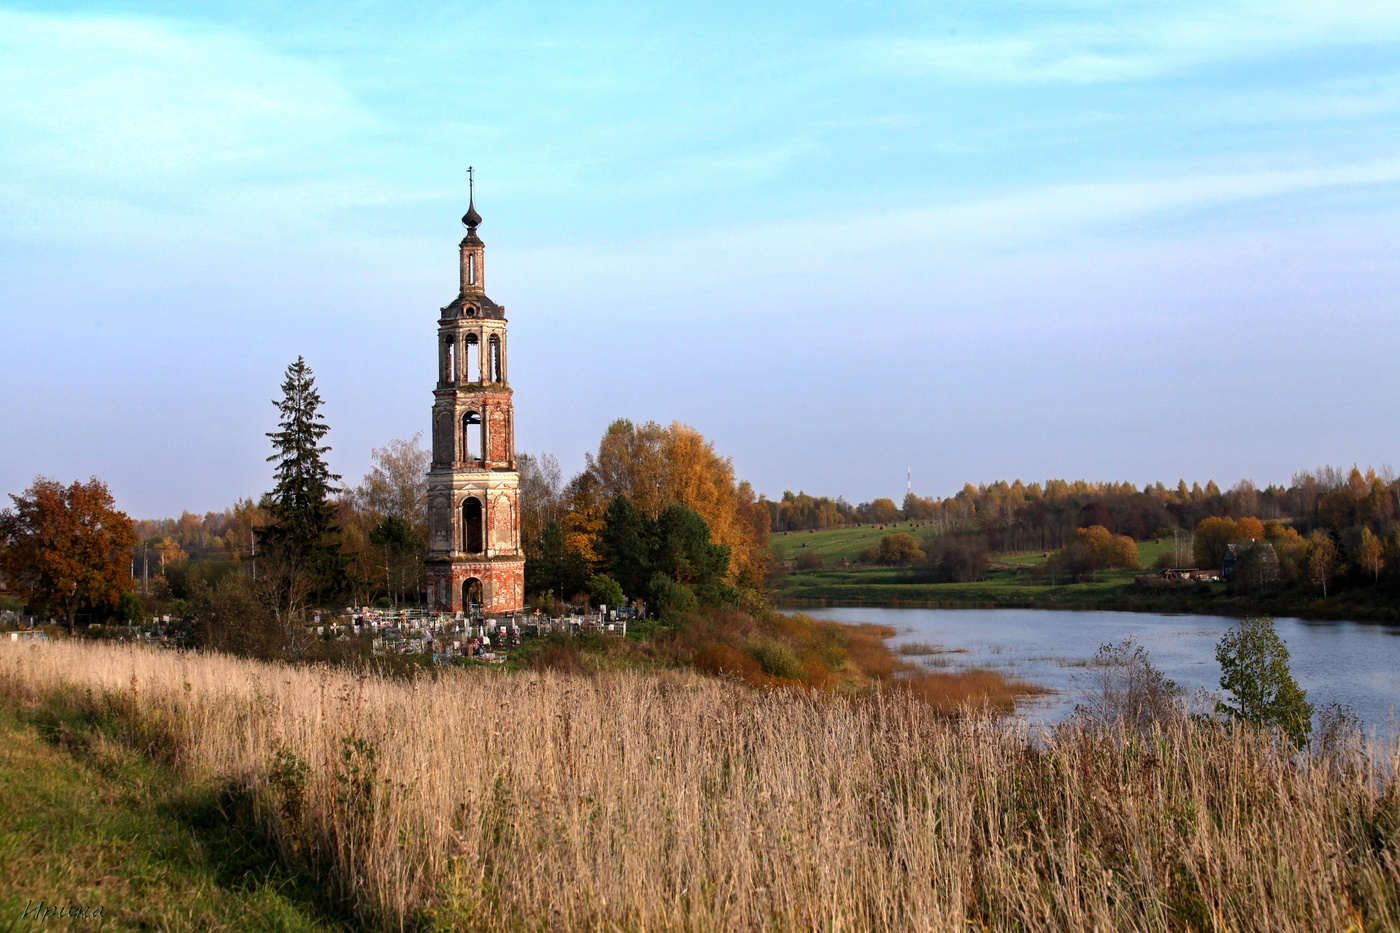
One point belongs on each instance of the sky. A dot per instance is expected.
(973, 241)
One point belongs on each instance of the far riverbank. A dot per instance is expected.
(885, 588)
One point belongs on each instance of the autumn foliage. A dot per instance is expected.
(67, 546)
(653, 469)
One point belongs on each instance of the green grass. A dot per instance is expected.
(86, 821)
(834, 544)
(888, 585)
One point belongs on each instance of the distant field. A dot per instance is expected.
(885, 585)
(834, 544)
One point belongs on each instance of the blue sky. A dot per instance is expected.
(1117, 240)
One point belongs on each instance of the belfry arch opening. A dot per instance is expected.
(473, 520)
(471, 364)
(496, 360)
(450, 363)
(473, 436)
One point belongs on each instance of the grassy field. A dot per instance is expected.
(835, 544)
(883, 586)
(1014, 581)
(630, 801)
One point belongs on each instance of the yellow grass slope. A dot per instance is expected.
(677, 802)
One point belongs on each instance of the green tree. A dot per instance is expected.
(605, 591)
(669, 598)
(624, 545)
(554, 568)
(684, 552)
(1254, 669)
(897, 550)
(301, 553)
(63, 547)
(403, 549)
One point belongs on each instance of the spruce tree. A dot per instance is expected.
(625, 547)
(301, 549)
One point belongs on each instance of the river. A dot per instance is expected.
(1351, 663)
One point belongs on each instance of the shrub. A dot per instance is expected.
(1123, 686)
(605, 591)
(777, 660)
(670, 598)
(726, 659)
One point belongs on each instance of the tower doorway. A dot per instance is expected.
(471, 593)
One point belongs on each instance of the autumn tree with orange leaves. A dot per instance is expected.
(67, 546)
(654, 466)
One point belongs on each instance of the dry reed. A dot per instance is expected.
(673, 801)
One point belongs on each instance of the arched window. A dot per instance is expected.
(496, 359)
(471, 268)
(473, 520)
(450, 364)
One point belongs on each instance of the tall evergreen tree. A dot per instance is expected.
(301, 548)
(554, 568)
(625, 546)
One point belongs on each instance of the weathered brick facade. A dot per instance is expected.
(474, 550)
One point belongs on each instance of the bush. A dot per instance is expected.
(956, 558)
(605, 591)
(670, 598)
(726, 659)
(777, 660)
(1123, 686)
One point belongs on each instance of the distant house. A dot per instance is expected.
(1251, 566)
(1176, 576)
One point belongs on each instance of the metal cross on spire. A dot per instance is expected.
(471, 183)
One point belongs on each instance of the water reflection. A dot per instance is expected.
(1354, 664)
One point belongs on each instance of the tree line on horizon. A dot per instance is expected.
(1019, 516)
(1330, 526)
(658, 515)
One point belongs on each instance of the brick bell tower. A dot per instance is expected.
(474, 553)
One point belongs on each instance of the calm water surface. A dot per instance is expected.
(1344, 662)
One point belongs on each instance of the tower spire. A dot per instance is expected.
(471, 218)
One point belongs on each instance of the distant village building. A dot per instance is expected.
(474, 555)
(1252, 566)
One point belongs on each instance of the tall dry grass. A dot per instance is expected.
(666, 801)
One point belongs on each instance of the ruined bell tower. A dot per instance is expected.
(474, 553)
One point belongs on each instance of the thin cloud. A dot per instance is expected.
(1031, 220)
(137, 119)
(1123, 44)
